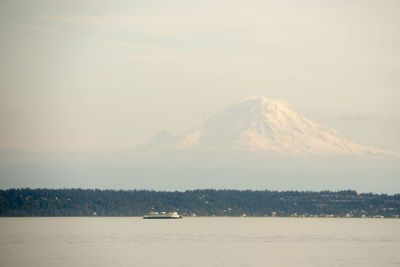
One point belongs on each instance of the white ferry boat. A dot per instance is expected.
(162, 215)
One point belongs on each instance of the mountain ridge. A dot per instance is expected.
(257, 123)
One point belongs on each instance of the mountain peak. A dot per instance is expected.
(260, 100)
(257, 123)
(262, 105)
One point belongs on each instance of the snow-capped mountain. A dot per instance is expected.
(261, 124)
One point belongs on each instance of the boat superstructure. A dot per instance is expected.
(162, 215)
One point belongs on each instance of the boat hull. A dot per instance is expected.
(160, 218)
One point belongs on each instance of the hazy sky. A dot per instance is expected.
(106, 75)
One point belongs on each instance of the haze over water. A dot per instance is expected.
(216, 241)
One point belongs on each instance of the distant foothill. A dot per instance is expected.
(206, 202)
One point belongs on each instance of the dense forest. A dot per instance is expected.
(209, 202)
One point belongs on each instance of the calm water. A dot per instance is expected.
(199, 242)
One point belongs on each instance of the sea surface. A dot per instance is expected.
(212, 241)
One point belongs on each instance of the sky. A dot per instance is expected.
(102, 76)
(105, 75)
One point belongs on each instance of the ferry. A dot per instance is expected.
(162, 215)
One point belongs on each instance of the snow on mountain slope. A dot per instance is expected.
(260, 124)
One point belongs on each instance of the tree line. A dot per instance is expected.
(206, 202)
